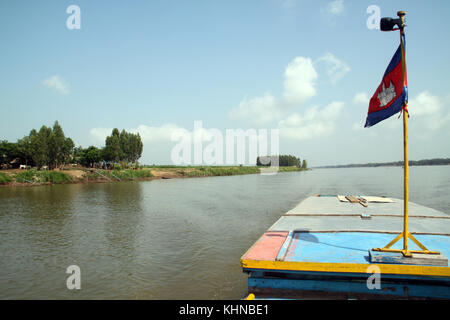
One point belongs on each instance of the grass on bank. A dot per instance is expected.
(205, 171)
(216, 171)
(32, 176)
(25, 176)
(289, 169)
(118, 175)
(53, 176)
(4, 178)
(35, 176)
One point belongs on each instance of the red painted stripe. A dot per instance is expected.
(267, 247)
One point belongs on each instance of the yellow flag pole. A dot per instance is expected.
(401, 15)
(405, 234)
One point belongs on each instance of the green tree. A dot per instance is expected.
(8, 151)
(24, 147)
(40, 142)
(124, 141)
(88, 157)
(123, 146)
(304, 164)
(76, 154)
(135, 147)
(112, 151)
(283, 161)
(68, 148)
(56, 144)
(48, 146)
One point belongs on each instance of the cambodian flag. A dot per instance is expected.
(392, 93)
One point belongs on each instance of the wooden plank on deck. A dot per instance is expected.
(352, 199)
(416, 259)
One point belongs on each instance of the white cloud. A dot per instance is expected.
(300, 78)
(149, 134)
(259, 110)
(99, 135)
(299, 86)
(313, 123)
(299, 81)
(361, 98)
(335, 7)
(427, 110)
(55, 82)
(336, 68)
(424, 104)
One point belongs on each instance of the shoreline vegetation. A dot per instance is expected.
(47, 156)
(424, 162)
(68, 175)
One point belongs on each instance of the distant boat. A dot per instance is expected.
(322, 248)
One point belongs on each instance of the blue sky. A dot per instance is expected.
(306, 68)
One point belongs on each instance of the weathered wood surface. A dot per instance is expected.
(416, 259)
(352, 199)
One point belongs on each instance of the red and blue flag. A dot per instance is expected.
(392, 94)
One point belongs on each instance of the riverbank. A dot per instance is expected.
(34, 177)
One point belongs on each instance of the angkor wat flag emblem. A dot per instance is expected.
(392, 93)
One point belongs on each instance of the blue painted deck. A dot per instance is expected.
(350, 247)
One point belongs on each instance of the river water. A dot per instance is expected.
(167, 239)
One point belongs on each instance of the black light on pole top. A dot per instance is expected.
(387, 24)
